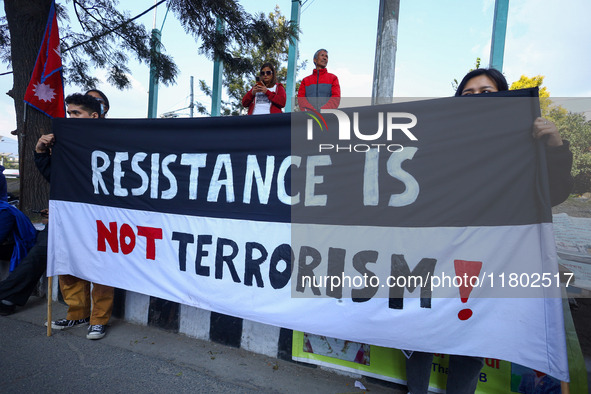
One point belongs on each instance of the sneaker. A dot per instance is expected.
(6, 310)
(95, 331)
(65, 323)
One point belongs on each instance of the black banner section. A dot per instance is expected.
(452, 162)
(457, 161)
(196, 167)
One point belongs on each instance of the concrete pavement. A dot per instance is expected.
(140, 359)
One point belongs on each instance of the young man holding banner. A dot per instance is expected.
(76, 291)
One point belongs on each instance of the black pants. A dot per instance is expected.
(21, 282)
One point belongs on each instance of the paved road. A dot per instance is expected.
(138, 359)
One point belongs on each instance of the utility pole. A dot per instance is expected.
(386, 43)
(153, 85)
(292, 57)
(218, 66)
(497, 46)
(192, 98)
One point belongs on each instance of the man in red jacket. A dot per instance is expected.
(321, 89)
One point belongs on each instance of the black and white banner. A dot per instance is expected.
(359, 223)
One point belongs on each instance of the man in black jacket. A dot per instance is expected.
(16, 289)
(76, 291)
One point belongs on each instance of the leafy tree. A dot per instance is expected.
(533, 82)
(547, 108)
(238, 84)
(571, 126)
(106, 39)
(555, 113)
(526, 82)
(575, 128)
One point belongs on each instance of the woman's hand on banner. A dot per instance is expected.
(544, 127)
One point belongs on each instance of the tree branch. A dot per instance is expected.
(115, 28)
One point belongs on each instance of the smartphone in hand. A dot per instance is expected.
(259, 82)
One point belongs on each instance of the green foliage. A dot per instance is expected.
(87, 45)
(571, 126)
(548, 110)
(241, 30)
(237, 84)
(4, 41)
(533, 82)
(105, 37)
(555, 113)
(9, 162)
(574, 128)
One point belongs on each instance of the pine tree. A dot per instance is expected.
(237, 84)
(106, 39)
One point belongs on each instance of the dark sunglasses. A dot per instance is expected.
(263, 73)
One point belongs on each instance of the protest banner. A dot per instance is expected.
(244, 216)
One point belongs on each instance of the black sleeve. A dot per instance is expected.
(43, 163)
(560, 162)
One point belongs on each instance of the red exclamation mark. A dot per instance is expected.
(466, 270)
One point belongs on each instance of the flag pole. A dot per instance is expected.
(49, 297)
(24, 132)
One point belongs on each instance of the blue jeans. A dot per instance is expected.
(462, 378)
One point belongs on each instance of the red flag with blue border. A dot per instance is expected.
(46, 89)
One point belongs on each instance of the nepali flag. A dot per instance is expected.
(46, 88)
(422, 225)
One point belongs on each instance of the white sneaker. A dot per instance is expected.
(96, 331)
(65, 323)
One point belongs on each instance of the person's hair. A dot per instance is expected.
(274, 79)
(105, 99)
(86, 102)
(494, 74)
(316, 54)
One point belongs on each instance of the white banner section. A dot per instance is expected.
(239, 268)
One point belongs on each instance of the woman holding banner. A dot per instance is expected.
(558, 155)
(267, 96)
(464, 371)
